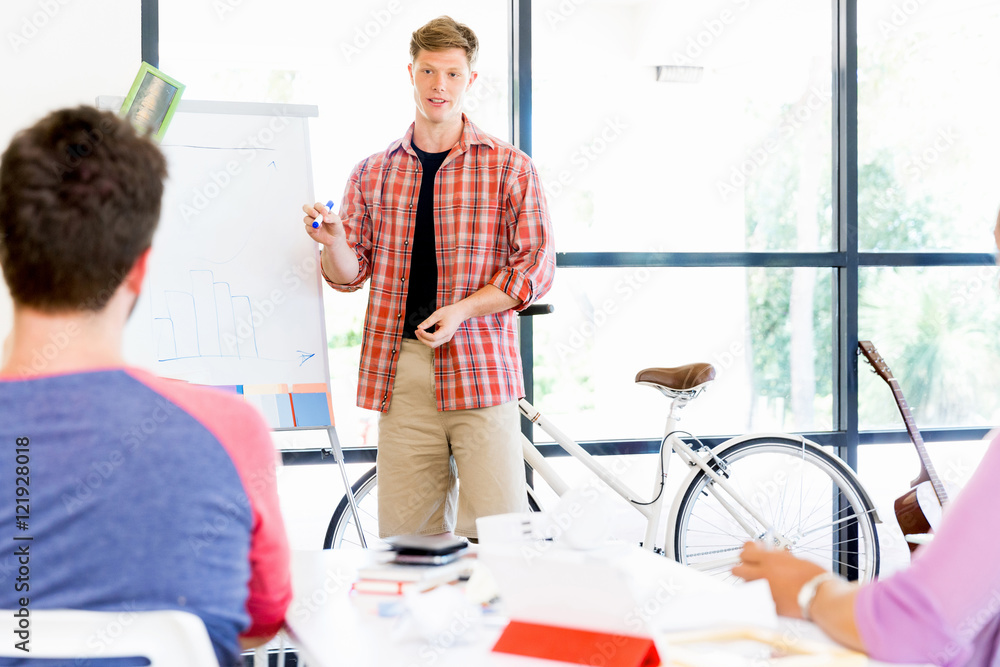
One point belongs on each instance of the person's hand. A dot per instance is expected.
(784, 572)
(447, 319)
(329, 230)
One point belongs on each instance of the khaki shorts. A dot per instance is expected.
(423, 453)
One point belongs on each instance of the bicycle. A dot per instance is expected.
(779, 488)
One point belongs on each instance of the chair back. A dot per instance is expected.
(167, 638)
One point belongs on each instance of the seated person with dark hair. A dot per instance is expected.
(144, 493)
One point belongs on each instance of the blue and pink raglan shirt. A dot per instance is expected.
(142, 493)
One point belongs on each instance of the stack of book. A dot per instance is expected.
(397, 579)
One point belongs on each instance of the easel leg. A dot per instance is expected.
(338, 454)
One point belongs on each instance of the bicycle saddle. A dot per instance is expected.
(681, 378)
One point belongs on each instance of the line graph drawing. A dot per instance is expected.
(208, 321)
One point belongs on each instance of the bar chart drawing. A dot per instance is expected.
(208, 321)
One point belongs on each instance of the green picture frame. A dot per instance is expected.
(152, 101)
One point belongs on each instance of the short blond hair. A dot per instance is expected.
(444, 33)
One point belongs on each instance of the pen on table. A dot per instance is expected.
(318, 220)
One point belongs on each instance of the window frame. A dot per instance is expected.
(846, 260)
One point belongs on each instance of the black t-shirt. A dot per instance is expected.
(421, 297)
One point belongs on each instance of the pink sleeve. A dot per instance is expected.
(933, 611)
(246, 438)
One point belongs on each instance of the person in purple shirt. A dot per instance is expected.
(944, 609)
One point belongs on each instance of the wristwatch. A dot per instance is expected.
(808, 591)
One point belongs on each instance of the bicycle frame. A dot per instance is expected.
(651, 510)
(717, 479)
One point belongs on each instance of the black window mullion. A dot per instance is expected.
(845, 202)
(845, 153)
(150, 31)
(520, 133)
(700, 259)
(520, 74)
(926, 259)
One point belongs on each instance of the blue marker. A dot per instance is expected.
(318, 220)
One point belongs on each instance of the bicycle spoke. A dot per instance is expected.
(730, 534)
(852, 517)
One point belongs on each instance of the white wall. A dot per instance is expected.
(58, 53)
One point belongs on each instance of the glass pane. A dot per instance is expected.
(886, 472)
(767, 332)
(927, 128)
(353, 66)
(684, 126)
(936, 329)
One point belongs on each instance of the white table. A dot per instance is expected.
(330, 629)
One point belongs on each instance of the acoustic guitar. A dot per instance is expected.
(918, 511)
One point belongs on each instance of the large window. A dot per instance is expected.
(724, 185)
(684, 126)
(707, 144)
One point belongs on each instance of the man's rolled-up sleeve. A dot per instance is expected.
(532, 261)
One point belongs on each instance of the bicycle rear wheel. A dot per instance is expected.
(342, 531)
(816, 507)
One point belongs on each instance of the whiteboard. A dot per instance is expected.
(232, 297)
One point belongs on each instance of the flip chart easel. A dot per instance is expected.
(233, 297)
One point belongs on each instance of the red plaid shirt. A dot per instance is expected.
(491, 226)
